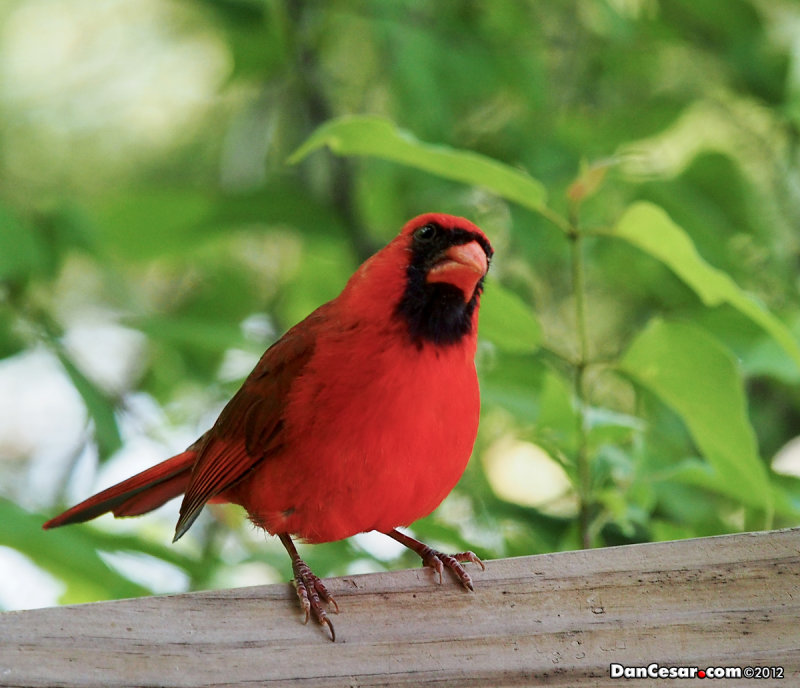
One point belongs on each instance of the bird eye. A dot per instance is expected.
(426, 233)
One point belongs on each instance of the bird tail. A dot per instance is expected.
(137, 495)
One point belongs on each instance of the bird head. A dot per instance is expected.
(447, 259)
(431, 274)
(447, 250)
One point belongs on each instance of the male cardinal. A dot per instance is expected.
(361, 417)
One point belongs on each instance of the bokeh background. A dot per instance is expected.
(154, 240)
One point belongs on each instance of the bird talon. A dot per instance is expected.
(311, 591)
(302, 595)
(435, 563)
(438, 560)
(322, 591)
(326, 620)
(331, 601)
(469, 556)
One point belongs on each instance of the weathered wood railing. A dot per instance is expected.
(556, 619)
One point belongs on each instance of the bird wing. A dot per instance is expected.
(249, 428)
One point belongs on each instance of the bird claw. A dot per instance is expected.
(311, 592)
(438, 561)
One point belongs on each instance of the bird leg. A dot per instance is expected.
(437, 560)
(310, 590)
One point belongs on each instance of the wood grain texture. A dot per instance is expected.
(555, 619)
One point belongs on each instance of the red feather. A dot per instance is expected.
(361, 417)
(137, 495)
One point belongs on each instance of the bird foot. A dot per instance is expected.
(438, 561)
(311, 591)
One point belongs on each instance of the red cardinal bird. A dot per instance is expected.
(361, 417)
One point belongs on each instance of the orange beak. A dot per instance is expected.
(462, 266)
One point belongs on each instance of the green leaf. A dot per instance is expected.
(758, 353)
(512, 382)
(699, 378)
(649, 228)
(378, 137)
(507, 321)
(556, 420)
(611, 427)
(100, 409)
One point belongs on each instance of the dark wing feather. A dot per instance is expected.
(249, 428)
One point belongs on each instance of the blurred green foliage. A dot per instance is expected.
(635, 163)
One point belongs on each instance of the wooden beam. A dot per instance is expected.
(556, 619)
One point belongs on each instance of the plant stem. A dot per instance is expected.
(581, 362)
